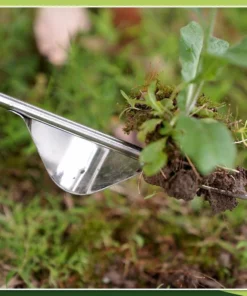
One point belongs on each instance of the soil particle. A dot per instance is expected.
(220, 202)
(227, 181)
(159, 179)
(182, 183)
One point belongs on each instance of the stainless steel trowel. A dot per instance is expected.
(79, 160)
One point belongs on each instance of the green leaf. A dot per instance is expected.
(167, 103)
(150, 195)
(9, 276)
(147, 127)
(213, 60)
(139, 240)
(151, 100)
(237, 54)
(212, 66)
(207, 142)
(130, 101)
(166, 129)
(191, 43)
(242, 244)
(181, 100)
(154, 157)
(217, 46)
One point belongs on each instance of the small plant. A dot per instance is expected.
(189, 140)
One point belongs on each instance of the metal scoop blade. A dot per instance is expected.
(78, 159)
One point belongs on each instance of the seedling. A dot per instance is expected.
(190, 147)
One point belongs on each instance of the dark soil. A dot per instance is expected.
(231, 182)
(181, 184)
(185, 184)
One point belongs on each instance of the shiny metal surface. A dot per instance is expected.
(77, 165)
(30, 111)
(78, 159)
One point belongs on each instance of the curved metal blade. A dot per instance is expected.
(77, 165)
(79, 159)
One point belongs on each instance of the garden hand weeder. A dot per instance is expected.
(79, 159)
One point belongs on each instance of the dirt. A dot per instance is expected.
(180, 183)
(175, 277)
(179, 178)
(228, 181)
(184, 183)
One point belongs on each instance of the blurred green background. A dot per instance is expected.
(115, 238)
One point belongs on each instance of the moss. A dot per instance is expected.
(134, 119)
(164, 91)
(206, 109)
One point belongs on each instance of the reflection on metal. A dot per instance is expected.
(78, 159)
(78, 165)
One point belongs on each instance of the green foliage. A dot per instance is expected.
(219, 54)
(203, 141)
(153, 157)
(212, 63)
(191, 43)
(150, 100)
(36, 240)
(18, 69)
(237, 54)
(62, 246)
(212, 68)
(104, 26)
(130, 101)
(207, 142)
(88, 104)
(181, 100)
(203, 57)
(217, 46)
(242, 249)
(148, 127)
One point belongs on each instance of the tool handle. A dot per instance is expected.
(30, 111)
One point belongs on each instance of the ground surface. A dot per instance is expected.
(115, 238)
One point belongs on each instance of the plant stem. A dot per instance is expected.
(190, 91)
(192, 94)
(195, 97)
(177, 89)
(210, 30)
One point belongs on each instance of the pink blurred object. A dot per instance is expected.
(55, 27)
(130, 138)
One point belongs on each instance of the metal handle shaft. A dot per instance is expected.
(49, 118)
